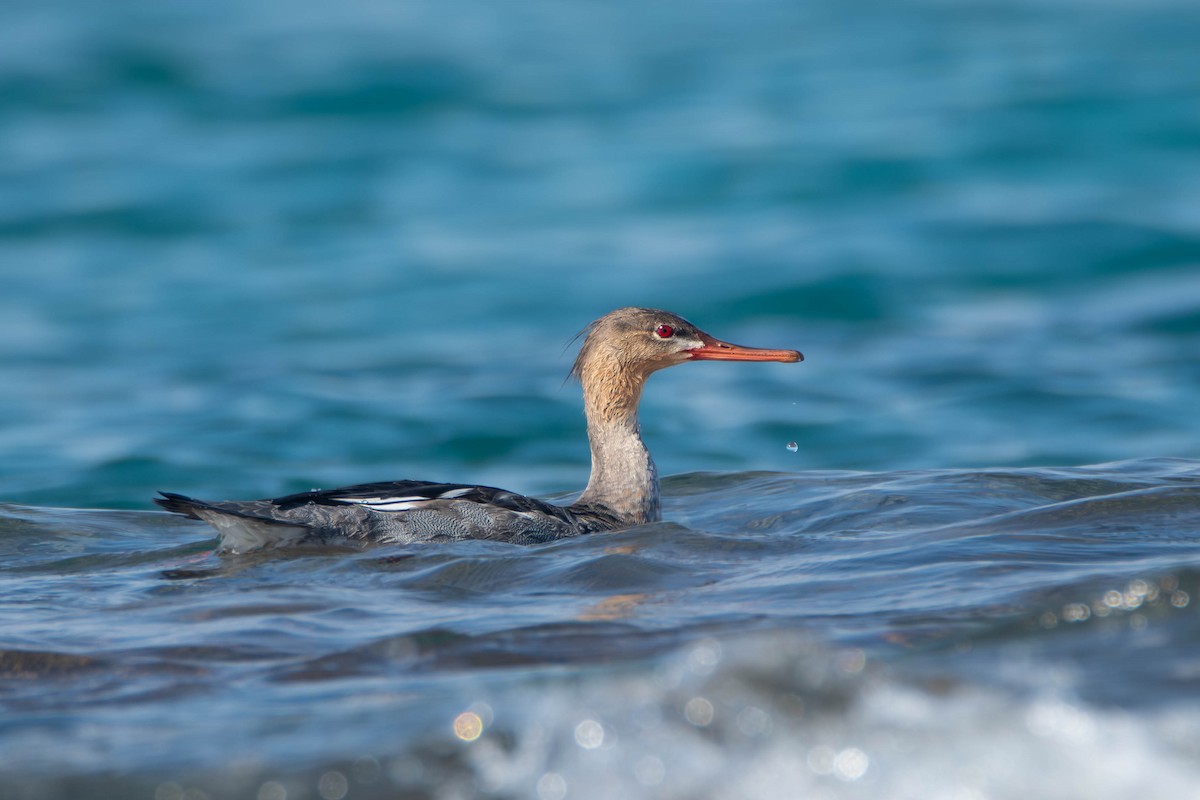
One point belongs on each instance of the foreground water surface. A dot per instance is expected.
(930, 633)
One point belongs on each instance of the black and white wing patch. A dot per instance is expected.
(395, 496)
(384, 502)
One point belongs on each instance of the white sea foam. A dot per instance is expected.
(788, 720)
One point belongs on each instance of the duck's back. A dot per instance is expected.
(390, 511)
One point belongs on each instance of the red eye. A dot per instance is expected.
(664, 331)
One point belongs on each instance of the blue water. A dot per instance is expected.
(249, 249)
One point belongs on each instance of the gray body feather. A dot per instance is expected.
(397, 512)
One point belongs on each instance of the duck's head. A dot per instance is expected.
(638, 341)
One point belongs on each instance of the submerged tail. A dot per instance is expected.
(179, 504)
(240, 530)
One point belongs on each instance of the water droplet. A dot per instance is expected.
(792, 446)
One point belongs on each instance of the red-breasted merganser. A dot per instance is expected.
(619, 352)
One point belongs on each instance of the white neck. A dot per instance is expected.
(623, 478)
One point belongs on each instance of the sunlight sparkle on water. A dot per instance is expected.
(589, 734)
(852, 661)
(551, 786)
(468, 726)
(705, 656)
(1137, 594)
(333, 785)
(649, 771)
(848, 765)
(753, 721)
(699, 711)
(272, 790)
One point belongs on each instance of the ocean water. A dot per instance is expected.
(249, 249)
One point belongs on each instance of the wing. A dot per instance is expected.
(392, 496)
